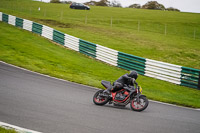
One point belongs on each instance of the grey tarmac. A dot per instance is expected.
(48, 105)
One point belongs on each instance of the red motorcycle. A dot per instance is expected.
(129, 94)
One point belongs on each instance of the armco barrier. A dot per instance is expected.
(107, 55)
(5, 18)
(72, 42)
(156, 69)
(87, 48)
(58, 37)
(190, 77)
(163, 71)
(19, 22)
(12, 20)
(1, 16)
(27, 25)
(47, 32)
(131, 62)
(37, 28)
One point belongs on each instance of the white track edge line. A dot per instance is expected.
(16, 128)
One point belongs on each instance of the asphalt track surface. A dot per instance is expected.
(49, 105)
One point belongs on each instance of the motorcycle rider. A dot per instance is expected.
(126, 79)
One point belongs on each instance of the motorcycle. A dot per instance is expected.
(129, 94)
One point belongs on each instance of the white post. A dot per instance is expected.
(138, 25)
(61, 15)
(30, 11)
(45, 12)
(111, 22)
(86, 19)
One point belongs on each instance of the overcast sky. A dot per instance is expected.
(183, 5)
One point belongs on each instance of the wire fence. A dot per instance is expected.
(189, 30)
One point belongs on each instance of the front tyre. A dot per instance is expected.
(141, 105)
(99, 98)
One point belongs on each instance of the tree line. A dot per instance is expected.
(154, 5)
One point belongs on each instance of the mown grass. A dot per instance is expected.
(30, 51)
(3, 130)
(135, 31)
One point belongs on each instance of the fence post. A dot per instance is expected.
(138, 25)
(30, 10)
(45, 12)
(86, 19)
(61, 15)
(111, 22)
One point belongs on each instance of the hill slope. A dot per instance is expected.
(172, 37)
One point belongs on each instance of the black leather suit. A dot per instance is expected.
(119, 83)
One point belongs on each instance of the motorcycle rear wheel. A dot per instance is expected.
(142, 105)
(100, 100)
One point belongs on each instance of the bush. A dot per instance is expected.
(153, 5)
(135, 6)
(172, 9)
(55, 1)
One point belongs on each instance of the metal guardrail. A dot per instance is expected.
(176, 74)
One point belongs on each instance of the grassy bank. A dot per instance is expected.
(30, 51)
(172, 37)
(3, 130)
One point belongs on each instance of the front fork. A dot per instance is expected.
(138, 97)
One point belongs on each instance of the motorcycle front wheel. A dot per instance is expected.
(141, 105)
(99, 98)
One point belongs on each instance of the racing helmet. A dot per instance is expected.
(133, 74)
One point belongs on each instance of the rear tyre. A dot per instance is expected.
(141, 105)
(98, 99)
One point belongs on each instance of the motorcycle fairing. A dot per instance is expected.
(120, 101)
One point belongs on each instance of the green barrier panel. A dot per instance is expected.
(141, 72)
(19, 22)
(86, 51)
(189, 85)
(132, 65)
(4, 17)
(87, 48)
(37, 28)
(132, 57)
(59, 37)
(190, 70)
(131, 62)
(58, 40)
(190, 77)
(128, 61)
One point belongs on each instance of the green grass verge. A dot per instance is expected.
(136, 31)
(3, 130)
(30, 51)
